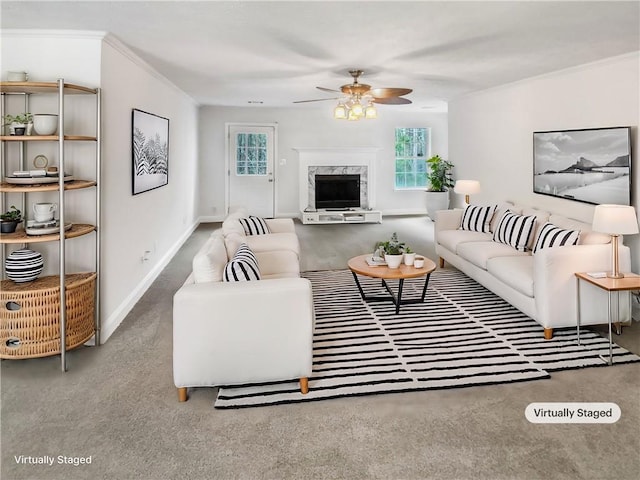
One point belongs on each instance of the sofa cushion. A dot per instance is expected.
(254, 225)
(243, 267)
(274, 241)
(232, 225)
(477, 218)
(514, 230)
(517, 272)
(552, 236)
(479, 253)
(208, 264)
(450, 239)
(587, 236)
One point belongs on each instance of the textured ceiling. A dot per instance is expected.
(231, 53)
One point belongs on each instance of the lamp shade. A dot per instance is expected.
(615, 219)
(467, 187)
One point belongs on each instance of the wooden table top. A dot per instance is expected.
(631, 281)
(359, 265)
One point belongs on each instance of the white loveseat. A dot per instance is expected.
(231, 333)
(541, 285)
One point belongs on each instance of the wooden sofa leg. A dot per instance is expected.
(182, 394)
(441, 262)
(304, 385)
(548, 333)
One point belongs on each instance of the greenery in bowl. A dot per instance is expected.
(439, 176)
(392, 246)
(12, 215)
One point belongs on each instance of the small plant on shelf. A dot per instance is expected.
(18, 124)
(10, 220)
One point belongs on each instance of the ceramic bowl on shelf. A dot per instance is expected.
(45, 123)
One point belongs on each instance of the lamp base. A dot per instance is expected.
(614, 275)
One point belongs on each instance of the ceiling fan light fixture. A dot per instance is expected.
(352, 116)
(340, 112)
(357, 109)
(370, 111)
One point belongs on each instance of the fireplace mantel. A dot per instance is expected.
(317, 157)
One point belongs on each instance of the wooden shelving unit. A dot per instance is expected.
(10, 329)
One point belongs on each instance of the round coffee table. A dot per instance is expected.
(359, 266)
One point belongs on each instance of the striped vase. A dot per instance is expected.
(23, 265)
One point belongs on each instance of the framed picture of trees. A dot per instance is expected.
(150, 151)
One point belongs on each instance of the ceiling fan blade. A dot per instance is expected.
(328, 90)
(389, 92)
(392, 101)
(317, 100)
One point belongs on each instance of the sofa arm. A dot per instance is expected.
(555, 284)
(448, 220)
(280, 225)
(231, 333)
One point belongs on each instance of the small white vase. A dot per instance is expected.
(409, 258)
(393, 261)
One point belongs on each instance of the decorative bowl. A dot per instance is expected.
(24, 265)
(45, 124)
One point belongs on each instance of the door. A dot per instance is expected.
(251, 160)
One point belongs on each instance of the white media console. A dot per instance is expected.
(341, 216)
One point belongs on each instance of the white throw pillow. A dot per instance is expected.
(552, 236)
(208, 264)
(514, 230)
(243, 267)
(477, 218)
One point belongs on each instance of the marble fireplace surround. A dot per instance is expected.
(336, 161)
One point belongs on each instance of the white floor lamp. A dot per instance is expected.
(615, 220)
(466, 188)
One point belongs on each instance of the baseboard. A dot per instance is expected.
(210, 219)
(403, 211)
(115, 319)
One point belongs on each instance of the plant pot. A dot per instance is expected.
(436, 201)
(45, 124)
(8, 226)
(409, 258)
(393, 261)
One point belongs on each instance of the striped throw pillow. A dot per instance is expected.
(243, 267)
(477, 218)
(552, 236)
(254, 225)
(514, 230)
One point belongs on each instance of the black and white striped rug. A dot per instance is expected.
(461, 336)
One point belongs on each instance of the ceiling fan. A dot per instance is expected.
(354, 94)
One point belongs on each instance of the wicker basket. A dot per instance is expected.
(30, 315)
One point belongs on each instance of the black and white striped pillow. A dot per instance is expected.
(514, 230)
(552, 236)
(254, 225)
(243, 267)
(477, 218)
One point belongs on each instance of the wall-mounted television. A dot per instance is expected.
(590, 165)
(337, 191)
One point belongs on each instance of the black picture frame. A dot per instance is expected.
(149, 151)
(591, 165)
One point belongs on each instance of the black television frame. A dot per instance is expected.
(343, 181)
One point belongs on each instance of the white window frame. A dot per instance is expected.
(424, 157)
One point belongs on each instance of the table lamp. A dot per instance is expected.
(615, 220)
(467, 187)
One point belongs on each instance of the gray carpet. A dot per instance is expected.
(118, 404)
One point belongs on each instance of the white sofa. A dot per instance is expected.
(231, 333)
(541, 285)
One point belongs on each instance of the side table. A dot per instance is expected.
(630, 281)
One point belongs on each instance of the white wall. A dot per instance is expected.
(313, 127)
(490, 132)
(158, 220)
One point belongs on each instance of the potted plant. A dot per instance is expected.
(19, 124)
(440, 180)
(10, 220)
(409, 256)
(393, 251)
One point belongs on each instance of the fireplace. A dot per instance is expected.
(335, 171)
(337, 192)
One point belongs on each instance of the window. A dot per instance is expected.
(413, 147)
(251, 154)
